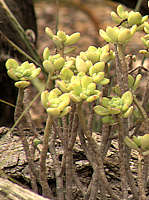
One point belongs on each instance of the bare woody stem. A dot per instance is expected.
(69, 177)
(59, 177)
(43, 173)
(122, 81)
(123, 159)
(142, 195)
(124, 70)
(19, 103)
(98, 165)
(121, 68)
(70, 171)
(18, 111)
(68, 160)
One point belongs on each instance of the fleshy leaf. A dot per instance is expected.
(100, 110)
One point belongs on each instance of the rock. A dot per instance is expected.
(11, 191)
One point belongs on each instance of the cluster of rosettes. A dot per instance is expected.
(82, 88)
(23, 73)
(115, 106)
(128, 18)
(56, 103)
(139, 143)
(92, 63)
(130, 22)
(118, 35)
(52, 63)
(61, 39)
(102, 54)
(78, 76)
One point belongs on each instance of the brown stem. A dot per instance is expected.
(122, 158)
(69, 157)
(132, 182)
(68, 161)
(142, 195)
(26, 101)
(58, 130)
(71, 116)
(18, 111)
(94, 186)
(91, 117)
(65, 126)
(118, 68)
(105, 140)
(124, 70)
(97, 155)
(122, 80)
(144, 115)
(69, 177)
(74, 129)
(78, 183)
(19, 104)
(43, 174)
(59, 178)
(59, 133)
(33, 171)
(63, 164)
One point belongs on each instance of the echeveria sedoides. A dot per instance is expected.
(115, 105)
(21, 73)
(56, 103)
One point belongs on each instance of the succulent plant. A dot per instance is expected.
(52, 63)
(81, 65)
(129, 18)
(23, 73)
(92, 54)
(118, 35)
(97, 73)
(145, 40)
(72, 39)
(65, 76)
(82, 88)
(61, 39)
(139, 143)
(56, 103)
(106, 54)
(130, 22)
(114, 106)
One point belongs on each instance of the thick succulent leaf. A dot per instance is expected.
(145, 142)
(130, 143)
(100, 110)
